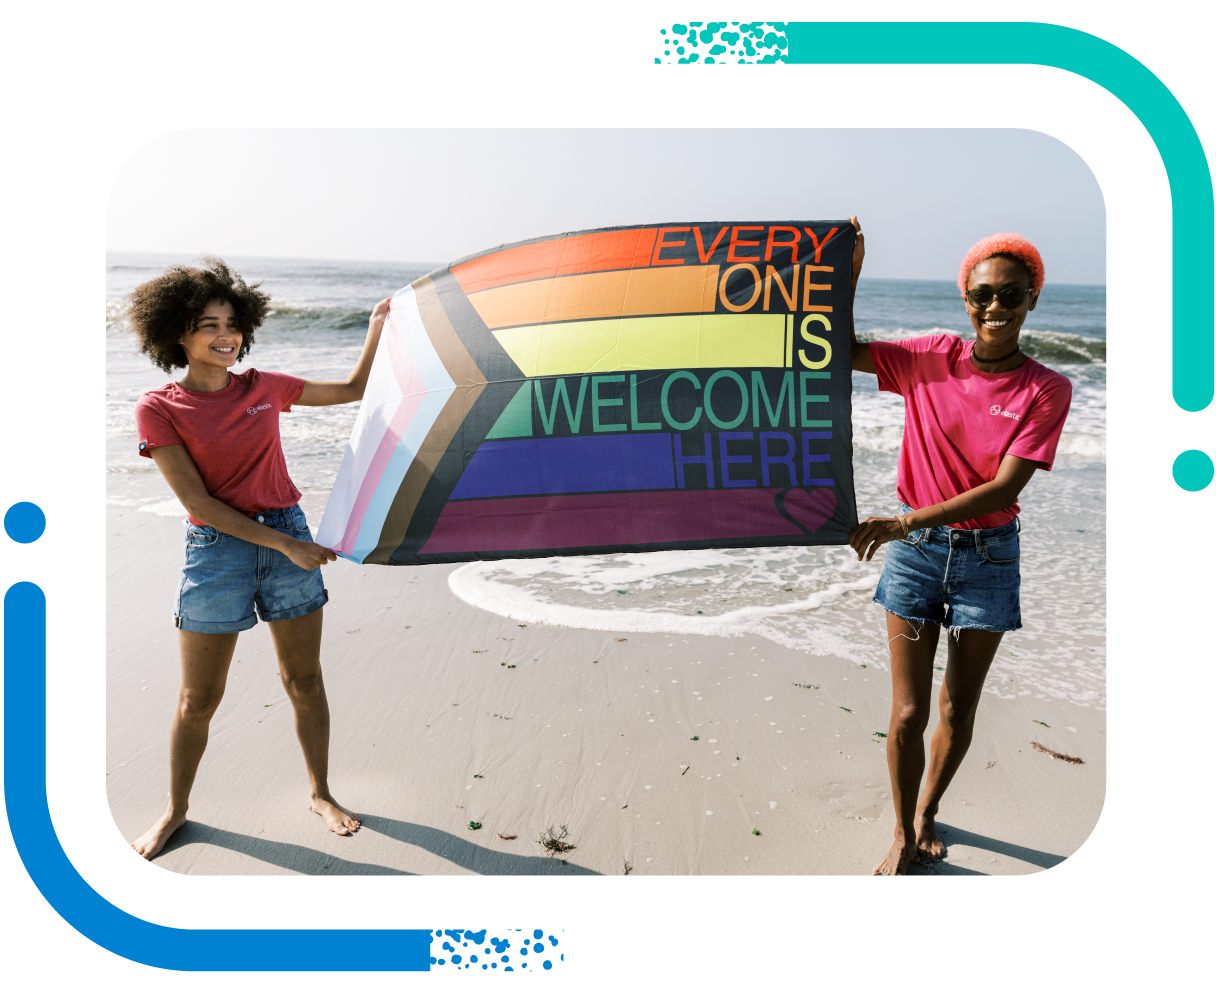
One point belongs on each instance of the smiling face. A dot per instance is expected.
(216, 341)
(997, 327)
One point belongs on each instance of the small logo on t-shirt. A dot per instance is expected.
(996, 411)
(254, 409)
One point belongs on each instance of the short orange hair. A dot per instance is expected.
(1008, 245)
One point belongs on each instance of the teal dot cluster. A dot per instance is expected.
(721, 42)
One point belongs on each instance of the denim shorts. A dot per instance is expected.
(225, 578)
(956, 577)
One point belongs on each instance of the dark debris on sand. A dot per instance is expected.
(1056, 753)
(555, 843)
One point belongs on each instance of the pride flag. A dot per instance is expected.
(680, 386)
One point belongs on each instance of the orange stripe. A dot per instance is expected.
(579, 254)
(658, 291)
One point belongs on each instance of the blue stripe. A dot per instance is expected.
(600, 464)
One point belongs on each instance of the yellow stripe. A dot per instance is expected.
(755, 340)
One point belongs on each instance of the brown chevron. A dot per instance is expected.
(468, 378)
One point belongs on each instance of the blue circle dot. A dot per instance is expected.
(548, 964)
(1193, 471)
(24, 522)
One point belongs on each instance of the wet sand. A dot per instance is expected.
(444, 714)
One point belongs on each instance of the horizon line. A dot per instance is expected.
(432, 266)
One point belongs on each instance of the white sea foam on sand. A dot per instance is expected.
(586, 592)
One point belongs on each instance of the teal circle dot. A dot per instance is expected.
(1193, 470)
(24, 522)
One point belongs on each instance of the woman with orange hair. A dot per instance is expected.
(980, 418)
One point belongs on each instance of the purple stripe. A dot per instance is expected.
(623, 519)
(599, 464)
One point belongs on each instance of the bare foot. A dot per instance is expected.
(929, 844)
(897, 860)
(338, 820)
(153, 841)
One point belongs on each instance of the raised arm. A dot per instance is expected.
(1011, 478)
(182, 475)
(860, 353)
(351, 388)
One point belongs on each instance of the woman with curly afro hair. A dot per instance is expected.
(979, 418)
(214, 435)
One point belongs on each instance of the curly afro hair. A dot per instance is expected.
(1012, 245)
(165, 309)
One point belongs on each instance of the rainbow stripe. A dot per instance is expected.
(447, 460)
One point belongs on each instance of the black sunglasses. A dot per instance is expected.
(1010, 297)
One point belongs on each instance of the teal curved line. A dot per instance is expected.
(94, 916)
(1024, 42)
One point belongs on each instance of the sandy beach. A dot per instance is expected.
(659, 754)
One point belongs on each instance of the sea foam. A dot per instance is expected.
(523, 590)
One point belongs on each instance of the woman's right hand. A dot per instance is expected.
(308, 555)
(873, 532)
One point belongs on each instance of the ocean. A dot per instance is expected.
(811, 600)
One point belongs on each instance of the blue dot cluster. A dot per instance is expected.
(466, 949)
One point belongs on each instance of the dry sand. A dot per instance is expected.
(432, 730)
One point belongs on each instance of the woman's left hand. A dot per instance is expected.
(859, 250)
(379, 313)
(873, 532)
(331, 393)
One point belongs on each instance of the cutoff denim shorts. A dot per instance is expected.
(225, 578)
(955, 577)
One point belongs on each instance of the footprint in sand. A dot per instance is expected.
(854, 801)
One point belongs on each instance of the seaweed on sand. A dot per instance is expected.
(1056, 754)
(555, 843)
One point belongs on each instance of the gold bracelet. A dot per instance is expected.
(902, 523)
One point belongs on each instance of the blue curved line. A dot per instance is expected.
(1128, 79)
(29, 820)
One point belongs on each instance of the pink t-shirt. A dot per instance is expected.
(960, 422)
(232, 436)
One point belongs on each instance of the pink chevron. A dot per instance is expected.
(413, 390)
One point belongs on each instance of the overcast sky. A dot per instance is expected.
(923, 196)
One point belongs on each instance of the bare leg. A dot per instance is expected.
(205, 659)
(297, 643)
(912, 645)
(967, 663)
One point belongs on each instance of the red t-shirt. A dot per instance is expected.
(232, 435)
(959, 422)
